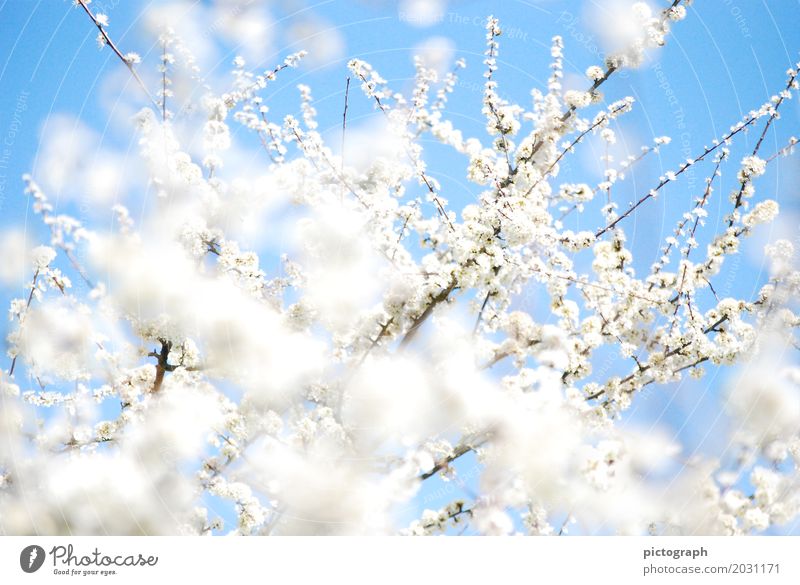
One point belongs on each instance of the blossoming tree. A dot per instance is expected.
(158, 369)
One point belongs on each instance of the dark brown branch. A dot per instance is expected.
(444, 463)
(162, 365)
(454, 516)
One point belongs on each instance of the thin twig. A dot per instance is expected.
(117, 52)
(422, 317)
(421, 173)
(684, 167)
(572, 145)
(699, 204)
(161, 366)
(344, 118)
(27, 306)
(480, 313)
(445, 462)
(164, 81)
(667, 354)
(773, 116)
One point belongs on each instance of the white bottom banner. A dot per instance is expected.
(307, 560)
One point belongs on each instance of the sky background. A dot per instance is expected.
(725, 59)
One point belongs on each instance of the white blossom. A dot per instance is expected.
(42, 256)
(752, 167)
(577, 99)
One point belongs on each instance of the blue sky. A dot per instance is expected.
(726, 58)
